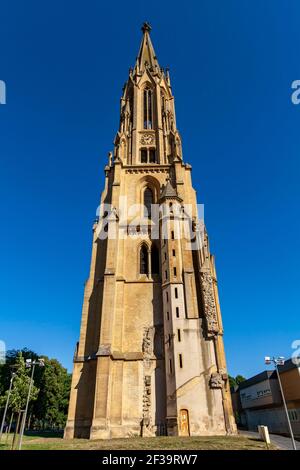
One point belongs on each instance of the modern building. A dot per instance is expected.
(258, 401)
(150, 358)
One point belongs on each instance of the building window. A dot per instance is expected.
(170, 366)
(152, 156)
(148, 155)
(172, 235)
(180, 361)
(177, 312)
(148, 201)
(144, 156)
(154, 260)
(293, 415)
(175, 271)
(166, 275)
(176, 293)
(163, 105)
(148, 105)
(144, 260)
(173, 252)
(165, 255)
(168, 316)
(179, 335)
(167, 297)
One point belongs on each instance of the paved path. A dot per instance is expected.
(284, 443)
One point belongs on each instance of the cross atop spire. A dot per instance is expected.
(146, 27)
(146, 56)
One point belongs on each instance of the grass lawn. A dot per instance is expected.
(135, 443)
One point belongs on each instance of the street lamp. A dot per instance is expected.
(279, 361)
(7, 402)
(29, 363)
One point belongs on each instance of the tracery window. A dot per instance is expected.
(148, 109)
(148, 155)
(148, 201)
(144, 260)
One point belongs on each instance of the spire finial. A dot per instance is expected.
(146, 57)
(146, 27)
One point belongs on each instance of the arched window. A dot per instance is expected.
(163, 106)
(144, 260)
(148, 109)
(130, 97)
(148, 200)
(154, 260)
(152, 156)
(144, 156)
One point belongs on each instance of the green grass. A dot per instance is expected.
(147, 443)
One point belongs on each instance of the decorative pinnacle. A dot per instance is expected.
(146, 27)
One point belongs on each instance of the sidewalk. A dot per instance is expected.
(284, 443)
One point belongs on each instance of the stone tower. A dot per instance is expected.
(150, 359)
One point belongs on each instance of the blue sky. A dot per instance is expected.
(232, 64)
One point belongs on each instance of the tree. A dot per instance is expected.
(235, 381)
(232, 382)
(11, 360)
(19, 392)
(239, 379)
(52, 404)
(48, 406)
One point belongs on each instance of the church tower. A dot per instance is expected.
(150, 359)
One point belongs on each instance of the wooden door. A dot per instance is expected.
(184, 423)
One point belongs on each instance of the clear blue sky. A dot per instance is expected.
(232, 64)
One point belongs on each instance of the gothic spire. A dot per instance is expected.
(146, 56)
(169, 192)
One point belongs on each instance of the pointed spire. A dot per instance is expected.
(169, 192)
(168, 76)
(146, 56)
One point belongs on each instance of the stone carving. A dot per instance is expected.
(216, 380)
(147, 401)
(147, 139)
(147, 171)
(210, 309)
(147, 346)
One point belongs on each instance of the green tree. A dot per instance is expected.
(6, 368)
(52, 404)
(235, 381)
(232, 382)
(49, 406)
(239, 379)
(19, 392)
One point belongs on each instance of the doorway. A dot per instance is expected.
(184, 423)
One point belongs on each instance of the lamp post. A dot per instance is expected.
(279, 361)
(7, 402)
(32, 364)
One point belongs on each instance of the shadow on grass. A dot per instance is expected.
(45, 434)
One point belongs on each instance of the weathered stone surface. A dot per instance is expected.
(210, 310)
(216, 380)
